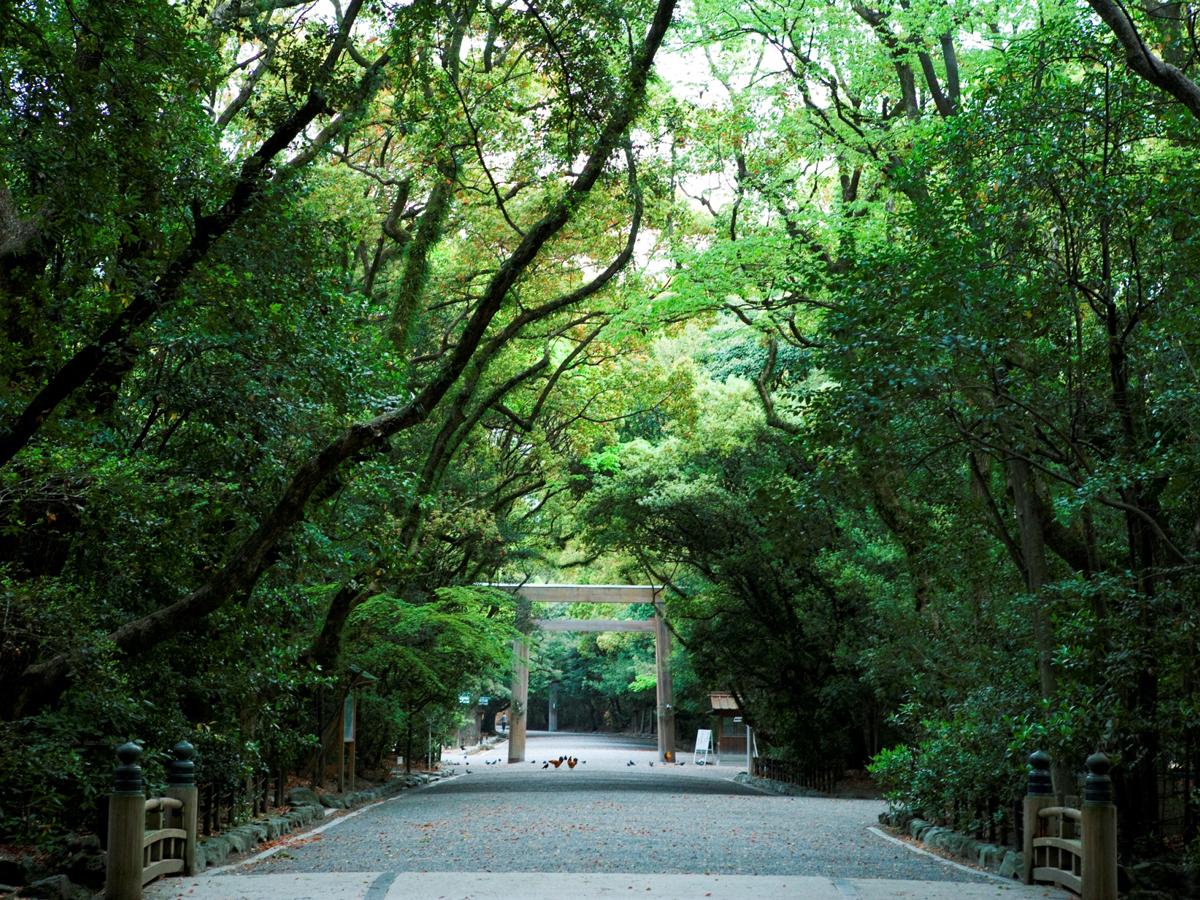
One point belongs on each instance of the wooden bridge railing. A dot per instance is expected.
(1072, 848)
(150, 838)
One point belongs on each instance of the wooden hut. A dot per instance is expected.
(729, 731)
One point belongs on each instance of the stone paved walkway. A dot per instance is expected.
(544, 886)
(604, 829)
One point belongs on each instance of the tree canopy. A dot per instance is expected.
(869, 330)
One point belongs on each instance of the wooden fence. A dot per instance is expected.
(818, 778)
(1069, 847)
(155, 837)
(222, 805)
(1178, 795)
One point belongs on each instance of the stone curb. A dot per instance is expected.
(1145, 880)
(771, 786)
(307, 807)
(1003, 861)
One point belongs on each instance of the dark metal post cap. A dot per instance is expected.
(1039, 774)
(128, 777)
(182, 769)
(1098, 788)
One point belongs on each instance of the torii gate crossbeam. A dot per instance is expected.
(591, 593)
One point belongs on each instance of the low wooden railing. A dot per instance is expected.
(228, 803)
(819, 778)
(155, 837)
(1073, 848)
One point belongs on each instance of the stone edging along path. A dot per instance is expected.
(307, 807)
(770, 786)
(1002, 861)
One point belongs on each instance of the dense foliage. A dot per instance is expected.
(936, 490)
(294, 321)
(869, 331)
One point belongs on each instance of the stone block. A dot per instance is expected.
(916, 825)
(1165, 877)
(87, 866)
(216, 850)
(277, 826)
(302, 796)
(988, 856)
(82, 842)
(1011, 865)
(243, 838)
(969, 849)
(56, 887)
(952, 842)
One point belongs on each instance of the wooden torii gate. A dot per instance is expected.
(590, 593)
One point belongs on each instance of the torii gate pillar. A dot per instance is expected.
(520, 700)
(664, 689)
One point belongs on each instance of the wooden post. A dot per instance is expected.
(1038, 796)
(552, 708)
(517, 722)
(665, 692)
(520, 700)
(1099, 827)
(341, 748)
(350, 733)
(320, 762)
(181, 784)
(126, 825)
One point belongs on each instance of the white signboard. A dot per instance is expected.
(348, 720)
(704, 746)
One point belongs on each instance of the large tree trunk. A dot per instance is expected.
(1033, 556)
(408, 746)
(1145, 555)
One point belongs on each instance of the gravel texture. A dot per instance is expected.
(607, 816)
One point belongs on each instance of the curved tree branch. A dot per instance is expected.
(44, 682)
(1144, 61)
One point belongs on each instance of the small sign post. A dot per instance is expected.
(347, 742)
(704, 746)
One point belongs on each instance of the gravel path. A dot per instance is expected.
(607, 816)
